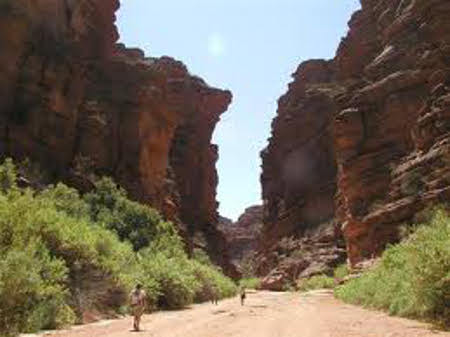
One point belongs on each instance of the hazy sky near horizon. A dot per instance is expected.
(250, 47)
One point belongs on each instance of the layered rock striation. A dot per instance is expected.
(81, 105)
(363, 140)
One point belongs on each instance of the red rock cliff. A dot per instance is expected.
(299, 181)
(82, 105)
(243, 236)
(396, 116)
(364, 138)
(299, 167)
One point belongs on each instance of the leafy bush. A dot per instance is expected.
(201, 256)
(32, 294)
(62, 254)
(412, 278)
(54, 260)
(341, 272)
(321, 281)
(94, 258)
(180, 281)
(173, 275)
(250, 283)
(67, 200)
(213, 284)
(130, 220)
(7, 176)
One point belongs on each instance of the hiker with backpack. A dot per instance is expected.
(138, 302)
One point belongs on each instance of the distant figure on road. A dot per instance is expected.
(138, 302)
(214, 295)
(243, 295)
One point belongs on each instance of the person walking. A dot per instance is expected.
(214, 295)
(138, 302)
(243, 295)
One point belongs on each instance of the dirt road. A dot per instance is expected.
(265, 314)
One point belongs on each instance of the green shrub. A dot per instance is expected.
(173, 281)
(62, 254)
(202, 257)
(132, 221)
(341, 272)
(321, 281)
(94, 256)
(174, 276)
(67, 200)
(250, 283)
(212, 283)
(56, 256)
(8, 176)
(412, 278)
(32, 292)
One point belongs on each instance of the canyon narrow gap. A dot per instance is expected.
(357, 158)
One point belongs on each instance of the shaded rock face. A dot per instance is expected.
(299, 181)
(384, 149)
(299, 169)
(243, 235)
(82, 105)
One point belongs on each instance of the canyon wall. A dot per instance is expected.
(242, 237)
(361, 142)
(81, 105)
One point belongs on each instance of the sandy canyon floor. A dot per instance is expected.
(265, 314)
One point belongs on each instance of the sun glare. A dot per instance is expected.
(216, 45)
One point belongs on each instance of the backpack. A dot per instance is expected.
(136, 298)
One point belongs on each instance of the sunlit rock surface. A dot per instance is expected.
(81, 105)
(362, 141)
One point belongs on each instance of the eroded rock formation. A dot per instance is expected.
(243, 237)
(316, 251)
(82, 105)
(364, 138)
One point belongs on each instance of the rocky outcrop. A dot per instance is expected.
(364, 136)
(243, 235)
(315, 252)
(83, 106)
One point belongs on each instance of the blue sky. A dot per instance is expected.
(250, 47)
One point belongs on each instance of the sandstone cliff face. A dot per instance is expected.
(299, 167)
(299, 181)
(82, 105)
(243, 236)
(391, 133)
(374, 144)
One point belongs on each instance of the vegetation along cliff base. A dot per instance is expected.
(65, 257)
